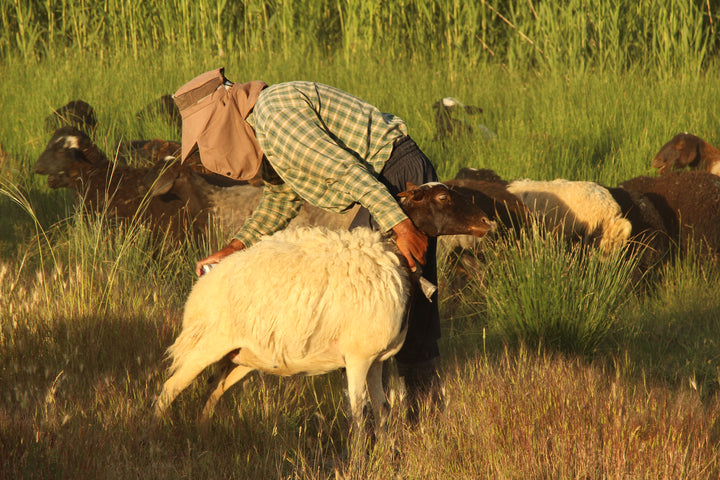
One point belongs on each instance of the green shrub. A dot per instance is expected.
(543, 293)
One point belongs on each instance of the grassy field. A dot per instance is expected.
(555, 365)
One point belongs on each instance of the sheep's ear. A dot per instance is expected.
(410, 190)
(160, 184)
(688, 153)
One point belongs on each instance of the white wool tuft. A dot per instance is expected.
(70, 142)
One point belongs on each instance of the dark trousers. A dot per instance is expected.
(409, 164)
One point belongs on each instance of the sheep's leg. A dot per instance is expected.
(379, 402)
(191, 367)
(357, 374)
(231, 375)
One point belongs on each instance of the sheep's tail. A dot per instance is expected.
(186, 343)
(203, 330)
(616, 233)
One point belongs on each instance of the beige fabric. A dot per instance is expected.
(213, 118)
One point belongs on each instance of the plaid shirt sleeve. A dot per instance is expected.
(277, 207)
(329, 147)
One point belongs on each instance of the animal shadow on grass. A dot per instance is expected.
(678, 346)
(16, 223)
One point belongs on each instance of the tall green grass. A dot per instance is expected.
(680, 340)
(597, 127)
(543, 294)
(613, 35)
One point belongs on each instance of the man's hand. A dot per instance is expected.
(233, 247)
(411, 242)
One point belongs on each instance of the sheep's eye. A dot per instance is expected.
(443, 197)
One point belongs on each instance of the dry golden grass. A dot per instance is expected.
(77, 393)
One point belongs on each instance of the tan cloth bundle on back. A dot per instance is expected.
(213, 118)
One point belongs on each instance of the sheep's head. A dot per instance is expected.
(684, 150)
(445, 123)
(436, 210)
(68, 153)
(165, 108)
(77, 113)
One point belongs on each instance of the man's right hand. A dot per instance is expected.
(233, 247)
(411, 242)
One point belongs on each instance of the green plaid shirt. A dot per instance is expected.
(328, 147)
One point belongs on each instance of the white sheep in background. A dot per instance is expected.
(577, 209)
(309, 301)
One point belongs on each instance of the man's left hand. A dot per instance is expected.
(411, 242)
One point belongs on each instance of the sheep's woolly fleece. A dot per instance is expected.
(299, 300)
(585, 209)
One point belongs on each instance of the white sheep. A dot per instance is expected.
(311, 300)
(576, 209)
(342, 298)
